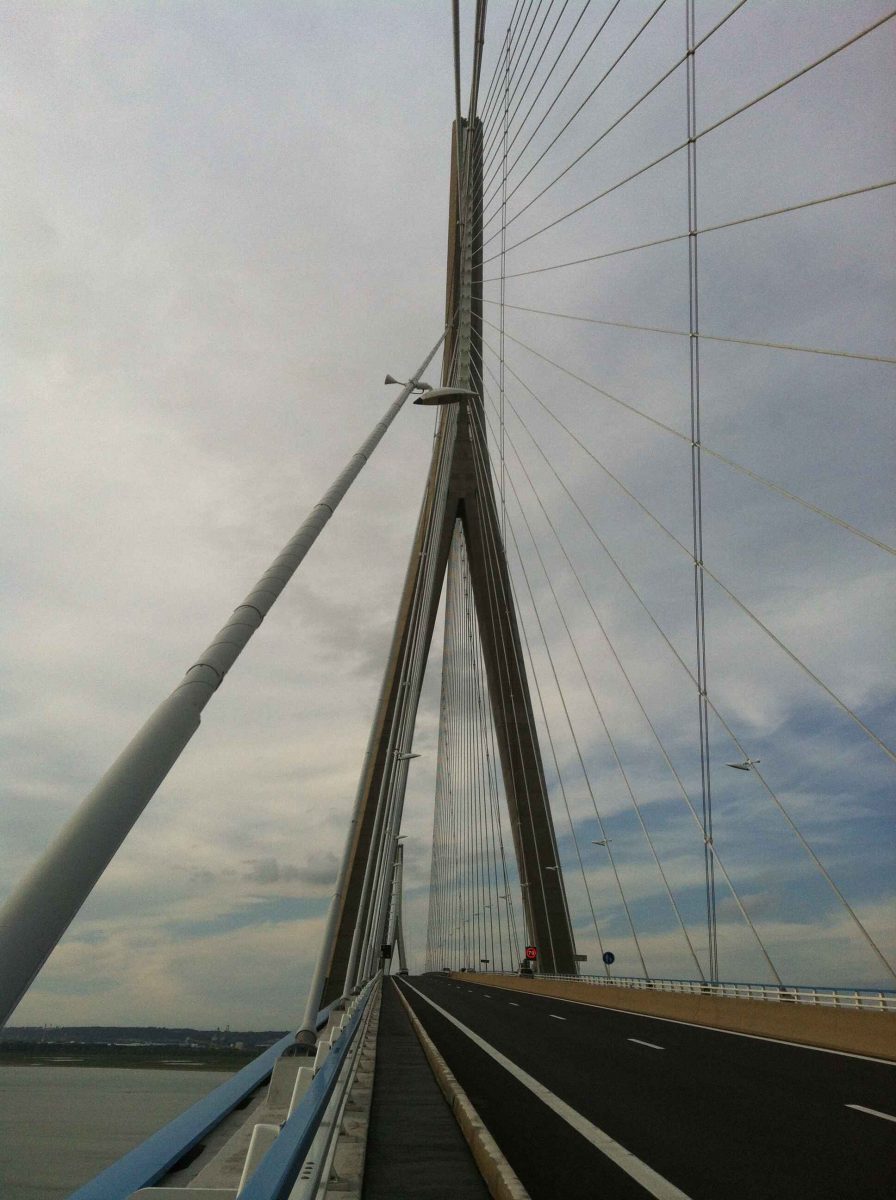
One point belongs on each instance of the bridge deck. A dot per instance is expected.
(587, 1101)
(415, 1149)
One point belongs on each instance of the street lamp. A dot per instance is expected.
(431, 395)
(446, 395)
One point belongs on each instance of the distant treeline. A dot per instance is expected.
(165, 1056)
(153, 1035)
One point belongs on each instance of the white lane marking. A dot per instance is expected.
(556, 1018)
(487, 996)
(513, 1004)
(872, 1111)
(887, 1062)
(652, 1045)
(650, 1180)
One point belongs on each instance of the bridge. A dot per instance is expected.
(646, 581)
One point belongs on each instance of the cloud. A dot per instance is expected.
(268, 870)
(221, 230)
(319, 871)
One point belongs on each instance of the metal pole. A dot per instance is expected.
(40, 910)
(392, 924)
(380, 914)
(399, 923)
(376, 916)
(372, 939)
(400, 730)
(357, 953)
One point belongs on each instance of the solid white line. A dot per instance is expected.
(650, 1180)
(513, 1004)
(556, 1018)
(756, 1037)
(652, 1045)
(872, 1111)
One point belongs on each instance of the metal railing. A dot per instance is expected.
(149, 1162)
(307, 1135)
(866, 999)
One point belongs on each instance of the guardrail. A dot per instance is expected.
(866, 999)
(313, 1124)
(147, 1163)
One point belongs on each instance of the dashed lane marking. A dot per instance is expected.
(652, 1182)
(556, 1018)
(652, 1045)
(756, 1037)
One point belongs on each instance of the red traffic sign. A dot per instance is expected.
(531, 953)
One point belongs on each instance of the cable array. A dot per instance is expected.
(632, 483)
(472, 910)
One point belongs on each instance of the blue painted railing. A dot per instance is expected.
(276, 1174)
(147, 1163)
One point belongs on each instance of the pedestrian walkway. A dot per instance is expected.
(415, 1150)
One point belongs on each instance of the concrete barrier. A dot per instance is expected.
(851, 1030)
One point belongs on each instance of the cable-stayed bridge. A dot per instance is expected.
(655, 525)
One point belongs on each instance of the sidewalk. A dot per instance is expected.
(415, 1150)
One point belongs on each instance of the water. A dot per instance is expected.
(60, 1126)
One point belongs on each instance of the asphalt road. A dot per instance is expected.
(700, 1113)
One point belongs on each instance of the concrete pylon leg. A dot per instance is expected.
(459, 488)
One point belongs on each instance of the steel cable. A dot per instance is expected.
(697, 136)
(722, 720)
(716, 454)
(701, 334)
(614, 125)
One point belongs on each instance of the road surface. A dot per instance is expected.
(591, 1102)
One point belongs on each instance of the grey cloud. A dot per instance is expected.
(317, 872)
(269, 870)
(211, 292)
(322, 870)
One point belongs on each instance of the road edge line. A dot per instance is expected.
(500, 1178)
(630, 1012)
(638, 1170)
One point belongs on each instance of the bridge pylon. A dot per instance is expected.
(459, 489)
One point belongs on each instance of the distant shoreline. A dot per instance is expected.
(162, 1058)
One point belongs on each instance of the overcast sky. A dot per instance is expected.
(223, 224)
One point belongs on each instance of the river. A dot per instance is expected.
(60, 1126)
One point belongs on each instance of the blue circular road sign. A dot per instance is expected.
(609, 957)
